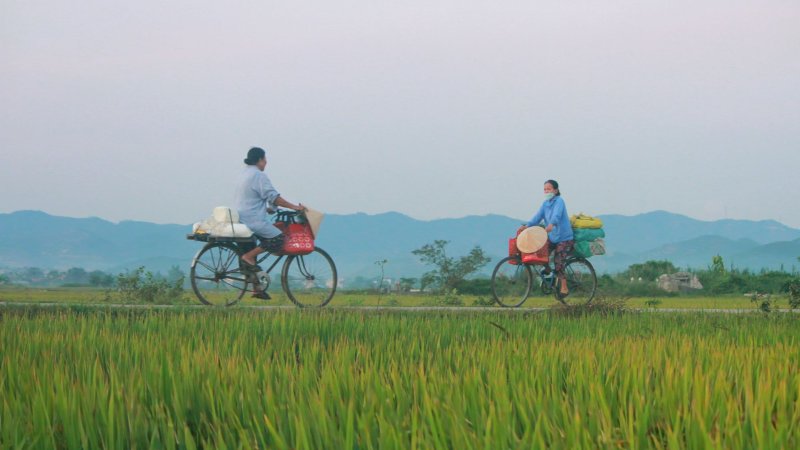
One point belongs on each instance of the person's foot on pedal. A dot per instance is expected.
(248, 261)
(261, 295)
(249, 268)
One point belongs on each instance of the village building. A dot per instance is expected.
(679, 282)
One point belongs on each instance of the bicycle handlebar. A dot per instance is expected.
(287, 215)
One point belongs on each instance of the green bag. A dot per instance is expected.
(588, 234)
(583, 249)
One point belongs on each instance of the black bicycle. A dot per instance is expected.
(219, 277)
(513, 281)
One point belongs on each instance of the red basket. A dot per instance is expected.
(513, 251)
(540, 257)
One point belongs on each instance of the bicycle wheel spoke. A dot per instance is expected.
(213, 259)
(227, 282)
(310, 280)
(229, 260)
(206, 266)
(206, 279)
(219, 286)
(581, 282)
(511, 283)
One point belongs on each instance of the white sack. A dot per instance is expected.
(224, 214)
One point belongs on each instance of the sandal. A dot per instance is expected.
(246, 266)
(261, 295)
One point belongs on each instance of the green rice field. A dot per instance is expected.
(98, 296)
(80, 377)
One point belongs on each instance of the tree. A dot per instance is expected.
(140, 286)
(794, 294)
(448, 271)
(175, 275)
(479, 286)
(381, 264)
(650, 270)
(4, 279)
(54, 275)
(718, 264)
(76, 275)
(100, 278)
(406, 284)
(32, 274)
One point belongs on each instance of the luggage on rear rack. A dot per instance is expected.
(598, 247)
(585, 221)
(589, 234)
(222, 226)
(587, 249)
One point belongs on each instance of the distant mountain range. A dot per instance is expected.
(356, 241)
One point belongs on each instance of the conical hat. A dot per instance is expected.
(531, 240)
(314, 218)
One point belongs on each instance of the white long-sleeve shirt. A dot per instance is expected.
(254, 194)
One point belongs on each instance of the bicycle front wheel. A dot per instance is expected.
(216, 275)
(511, 283)
(581, 282)
(310, 280)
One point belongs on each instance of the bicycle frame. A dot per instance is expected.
(274, 264)
(548, 280)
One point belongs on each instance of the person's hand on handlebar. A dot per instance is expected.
(280, 201)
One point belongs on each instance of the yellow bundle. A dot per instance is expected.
(585, 221)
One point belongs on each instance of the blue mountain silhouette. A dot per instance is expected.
(356, 241)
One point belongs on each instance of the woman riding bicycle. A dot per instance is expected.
(255, 196)
(553, 213)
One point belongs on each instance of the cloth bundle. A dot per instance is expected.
(589, 235)
(585, 221)
(224, 222)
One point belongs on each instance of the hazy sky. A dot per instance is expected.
(145, 109)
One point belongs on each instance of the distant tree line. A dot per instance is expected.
(639, 280)
(75, 277)
(458, 274)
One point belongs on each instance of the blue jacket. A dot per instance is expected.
(554, 211)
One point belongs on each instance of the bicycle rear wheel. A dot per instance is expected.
(310, 280)
(511, 283)
(216, 276)
(581, 282)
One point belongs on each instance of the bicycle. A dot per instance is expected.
(513, 281)
(219, 277)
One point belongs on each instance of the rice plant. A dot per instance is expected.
(94, 378)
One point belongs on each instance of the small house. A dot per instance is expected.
(679, 282)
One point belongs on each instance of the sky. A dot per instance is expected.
(144, 110)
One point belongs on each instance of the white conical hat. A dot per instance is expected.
(314, 218)
(531, 240)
